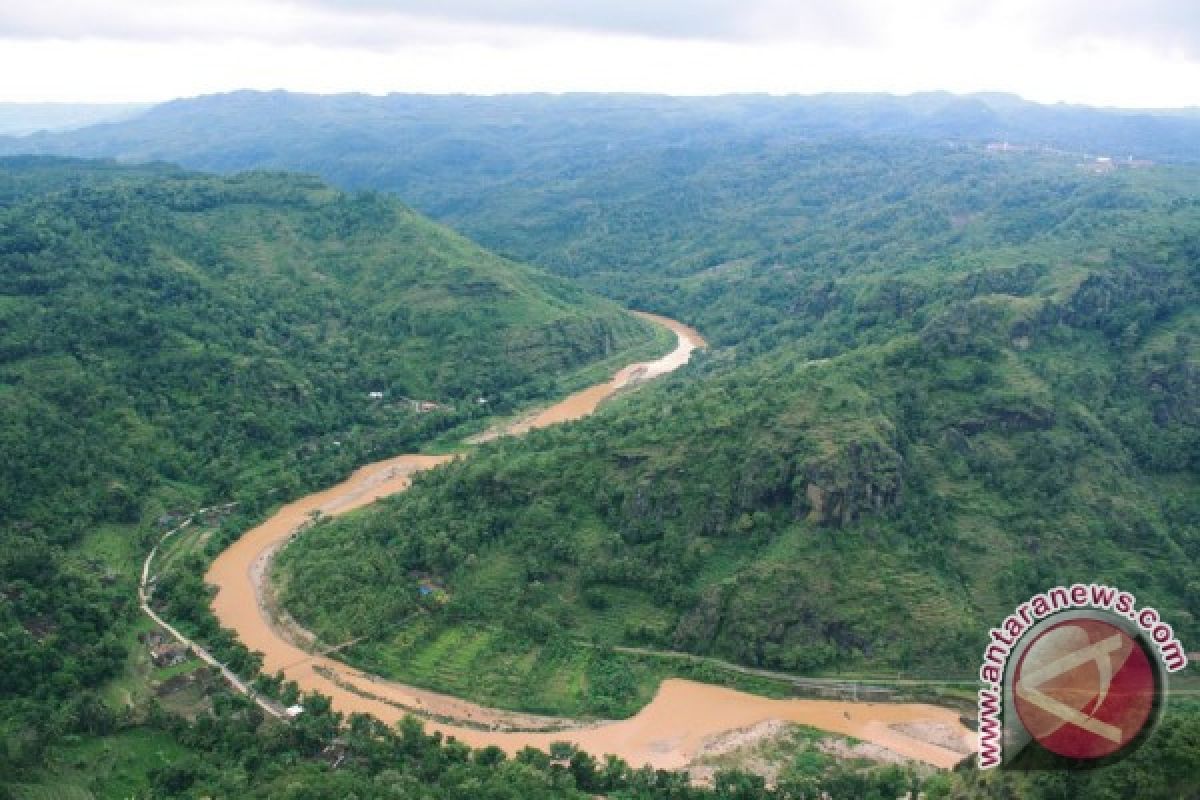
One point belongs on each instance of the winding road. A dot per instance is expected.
(668, 733)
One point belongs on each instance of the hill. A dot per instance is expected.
(21, 119)
(629, 193)
(350, 133)
(944, 378)
(961, 381)
(170, 340)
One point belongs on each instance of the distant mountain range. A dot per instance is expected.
(333, 133)
(20, 119)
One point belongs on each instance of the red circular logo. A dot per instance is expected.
(1084, 689)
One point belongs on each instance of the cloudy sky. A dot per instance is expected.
(1134, 53)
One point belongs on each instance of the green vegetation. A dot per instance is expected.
(234, 753)
(438, 146)
(111, 768)
(200, 329)
(169, 340)
(943, 379)
(896, 450)
(557, 676)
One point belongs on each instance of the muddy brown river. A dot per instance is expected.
(668, 733)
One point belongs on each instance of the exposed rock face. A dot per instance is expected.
(819, 299)
(1095, 299)
(972, 328)
(893, 296)
(743, 618)
(1003, 419)
(698, 628)
(1018, 281)
(864, 478)
(1175, 385)
(1103, 301)
(1021, 334)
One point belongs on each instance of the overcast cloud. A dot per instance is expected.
(1108, 52)
(343, 21)
(1170, 24)
(718, 20)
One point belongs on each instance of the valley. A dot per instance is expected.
(618, 558)
(666, 734)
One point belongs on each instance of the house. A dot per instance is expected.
(168, 655)
(335, 754)
(1006, 147)
(291, 712)
(427, 588)
(375, 395)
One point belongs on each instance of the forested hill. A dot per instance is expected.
(169, 339)
(942, 378)
(248, 313)
(945, 381)
(631, 194)
(353, 135)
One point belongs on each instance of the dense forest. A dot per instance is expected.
(896, 441)
(167, 327)
(963, 377)
(942, 378)
(725, 210)
(171, 340)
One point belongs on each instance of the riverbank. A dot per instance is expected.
(667, 733)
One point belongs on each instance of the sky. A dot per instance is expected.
(1129, 53)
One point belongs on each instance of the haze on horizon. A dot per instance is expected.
(1127, 53)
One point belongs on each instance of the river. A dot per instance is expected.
(668, 733)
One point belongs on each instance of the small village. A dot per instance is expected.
(1096, 164)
